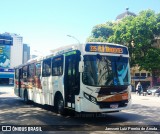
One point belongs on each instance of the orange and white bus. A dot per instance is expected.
(94, 77)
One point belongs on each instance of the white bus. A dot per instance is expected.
(94, 77)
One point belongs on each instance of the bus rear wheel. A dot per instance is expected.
(26, 100)
(60, 105)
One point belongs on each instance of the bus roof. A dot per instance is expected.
(65, 49)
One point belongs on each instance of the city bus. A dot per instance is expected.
(93, 77)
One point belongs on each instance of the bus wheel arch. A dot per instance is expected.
(59, 103)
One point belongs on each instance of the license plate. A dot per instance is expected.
(114, 106)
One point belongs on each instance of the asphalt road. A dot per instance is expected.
(144, 111)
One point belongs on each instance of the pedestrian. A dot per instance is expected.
(139, 88)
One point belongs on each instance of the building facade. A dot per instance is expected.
(125, 14)
(6, 73)
(16, 50)
(26, 53)
(11, 56)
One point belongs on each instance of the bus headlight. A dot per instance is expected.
(90, 98)
(86, 96)
(93, 99)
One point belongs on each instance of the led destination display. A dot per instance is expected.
(106, 48)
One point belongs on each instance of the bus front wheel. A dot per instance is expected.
(60, 105)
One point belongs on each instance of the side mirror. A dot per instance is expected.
(81, 66)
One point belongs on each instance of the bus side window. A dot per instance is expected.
(57, 66)
(20, 73)
(24, 72)
(46, 71)
(31, 72)
(38, 70)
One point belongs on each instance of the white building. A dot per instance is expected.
(16, 50)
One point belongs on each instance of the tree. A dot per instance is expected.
(101, 32)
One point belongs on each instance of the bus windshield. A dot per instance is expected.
(106, 70)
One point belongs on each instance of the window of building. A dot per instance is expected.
(46, 68)
(149, 74)
(143, 74)
(57, 66)
(137, 74)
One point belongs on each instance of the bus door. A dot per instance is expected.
(71, 78)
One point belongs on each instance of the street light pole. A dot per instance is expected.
(74, 38)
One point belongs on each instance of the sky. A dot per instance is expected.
(45, 24)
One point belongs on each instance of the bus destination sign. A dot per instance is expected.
(106, 48)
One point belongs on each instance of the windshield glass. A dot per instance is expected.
(105, 70)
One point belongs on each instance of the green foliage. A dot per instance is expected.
(151, 59)
(101, 32)
(99, 39)
(123, 31)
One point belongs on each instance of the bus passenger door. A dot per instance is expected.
(72, 78)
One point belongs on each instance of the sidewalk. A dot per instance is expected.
(7, 91)
(134, 93)
(148, 100)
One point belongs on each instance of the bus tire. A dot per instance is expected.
(60, 105)
(26, 100)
